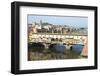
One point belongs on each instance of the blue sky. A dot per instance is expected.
(60, 20)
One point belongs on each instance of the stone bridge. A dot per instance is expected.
(57, 38)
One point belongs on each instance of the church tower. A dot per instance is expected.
(41, 24)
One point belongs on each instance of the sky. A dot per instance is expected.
(60, 20)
